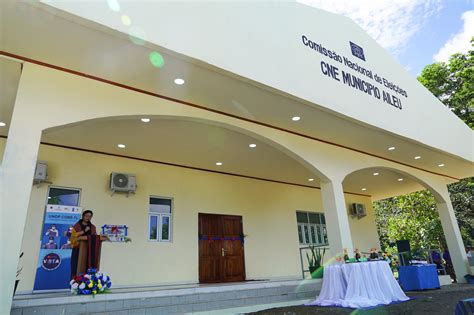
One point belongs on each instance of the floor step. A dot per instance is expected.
(175, 301)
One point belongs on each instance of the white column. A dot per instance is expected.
(453, 237)
(337, 221)
(16, 178)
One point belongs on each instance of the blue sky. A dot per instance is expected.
(415, 32)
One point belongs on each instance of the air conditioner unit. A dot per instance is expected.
(41, 172)
(123, 182)
(358, 210)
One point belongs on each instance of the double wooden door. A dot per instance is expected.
(221, 248)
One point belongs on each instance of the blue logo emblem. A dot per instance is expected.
(357, 51)
(51, 261)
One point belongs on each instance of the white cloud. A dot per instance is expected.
(460, 42)
(392, 23)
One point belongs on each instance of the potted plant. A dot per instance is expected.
(18, 272)
(315, 261)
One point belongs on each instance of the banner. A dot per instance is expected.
(115, 233)
(54, 263)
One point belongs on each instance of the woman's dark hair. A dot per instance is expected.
(86, 212)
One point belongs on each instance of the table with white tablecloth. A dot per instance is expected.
(357, 285)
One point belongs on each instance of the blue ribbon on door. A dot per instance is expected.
(217, 238)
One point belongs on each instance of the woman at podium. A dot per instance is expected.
(84, 226)
(85, 245)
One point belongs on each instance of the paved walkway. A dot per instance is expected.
(442, 302)
(250, 309)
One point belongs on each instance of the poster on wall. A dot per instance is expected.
(115, 233)
(53, 270)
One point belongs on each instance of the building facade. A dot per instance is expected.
(279, 117)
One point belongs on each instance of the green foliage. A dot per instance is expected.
(453, 84)
(462, 198)
(414, 216)
(315, 260)
(55, 200)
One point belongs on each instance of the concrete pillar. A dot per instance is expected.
(453, 236)
(337, 221)
(16, 178)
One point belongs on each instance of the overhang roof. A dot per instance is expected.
(248, 88)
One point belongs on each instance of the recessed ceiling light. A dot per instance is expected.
(126, 20)
(400, 179)
(417, 157)
(2, 124)
(296, 118)
(252, 145)
(375, 174)
(219, 163)
(391, 148)
(364, 189)
(441, 165)
(179, 81)
(121, 146)
(145, 119)
(310, 179)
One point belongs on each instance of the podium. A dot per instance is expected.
(89, 248)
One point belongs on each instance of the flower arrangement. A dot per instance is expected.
(391, 259)
(93, 282)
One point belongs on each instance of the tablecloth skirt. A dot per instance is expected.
(359, 285)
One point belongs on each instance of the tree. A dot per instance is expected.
(453, 84)
(414, 216)
(411, 217)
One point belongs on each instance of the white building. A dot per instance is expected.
(281, 108)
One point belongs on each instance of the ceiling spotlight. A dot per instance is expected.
(375, 174)
(364, 189)
(400, 179)
(145, 119)
(296, 118)
(126, 20)
(121, 146)
(179, 81)
(252, 145)
(441, 165)
(219, 163)
(311, 179)
(417, 157)
(391, 148)
(2, 124)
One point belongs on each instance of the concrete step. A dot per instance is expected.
(174, 301)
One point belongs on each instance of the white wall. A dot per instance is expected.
(262, 41)
(268, 211)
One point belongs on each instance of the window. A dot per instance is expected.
(63, 196)
(159, 219)
(311, 228)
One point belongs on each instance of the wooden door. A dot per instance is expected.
(221, 248)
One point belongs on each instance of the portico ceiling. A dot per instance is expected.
(44, 34)
(201, 145)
